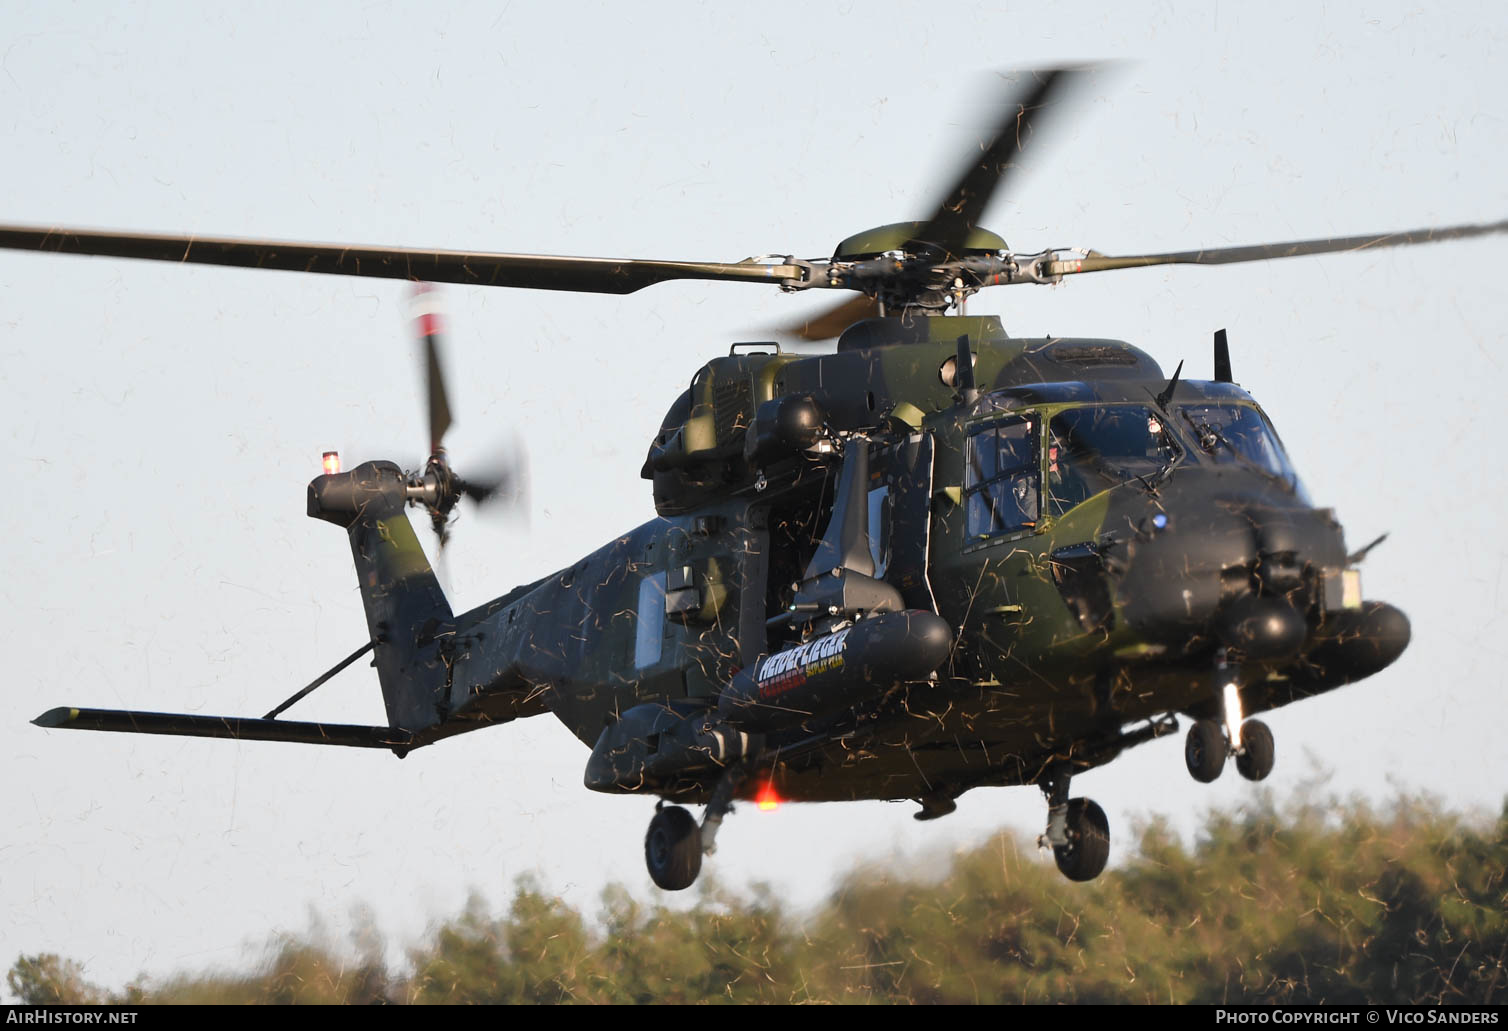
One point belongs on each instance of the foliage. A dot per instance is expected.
(1308, 903)
(48, 979)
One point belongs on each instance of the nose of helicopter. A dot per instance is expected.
(1262, 629)
(1204, 564)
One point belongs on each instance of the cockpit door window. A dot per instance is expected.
(1002, 492)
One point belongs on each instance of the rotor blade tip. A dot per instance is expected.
(61, 716)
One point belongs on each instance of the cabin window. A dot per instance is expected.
(1001, 493)
(650, 637)
(879, 529)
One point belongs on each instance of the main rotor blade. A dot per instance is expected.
(828, 323)
(1259, 252)
(965, 202)
(527, 271)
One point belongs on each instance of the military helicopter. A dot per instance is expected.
(938, 558)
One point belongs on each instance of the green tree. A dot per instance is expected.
(1313, 901)
(48, 979)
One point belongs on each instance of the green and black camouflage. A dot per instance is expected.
(938, 558)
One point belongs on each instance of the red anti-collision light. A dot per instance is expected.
(332, 463)
(767, 800)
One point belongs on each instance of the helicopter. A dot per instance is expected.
(936, 559)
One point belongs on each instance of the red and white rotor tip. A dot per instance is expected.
(427, 308)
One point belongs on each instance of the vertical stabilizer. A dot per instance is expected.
(407, 614)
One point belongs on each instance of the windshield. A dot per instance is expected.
(1239, 434)
(1097, 447)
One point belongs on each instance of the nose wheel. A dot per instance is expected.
(1211, 740)
(1255, 757)
(1206, 747)
(1204, 750)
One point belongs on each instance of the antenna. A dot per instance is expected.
(1222, 358)
(1167, 395)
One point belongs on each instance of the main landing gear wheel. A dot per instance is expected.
(673, 849)
(1204, 750)
(1254, 760)
(1076, 828)
(1088, 848)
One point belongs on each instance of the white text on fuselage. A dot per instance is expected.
(783, 671)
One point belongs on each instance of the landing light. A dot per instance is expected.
(767, 800)
(332, 463)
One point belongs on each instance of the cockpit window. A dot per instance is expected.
(1004, 473)
(1097, 447)
(1239, 434)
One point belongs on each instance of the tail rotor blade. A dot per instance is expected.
(482, 492)
(427, 312)
(439, 403)
(504, 480)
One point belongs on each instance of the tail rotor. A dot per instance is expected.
(437, 487)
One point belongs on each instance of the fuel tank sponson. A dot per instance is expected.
(830, 673)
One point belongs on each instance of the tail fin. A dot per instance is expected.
(407, 614)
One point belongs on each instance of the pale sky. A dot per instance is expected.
(161, 423)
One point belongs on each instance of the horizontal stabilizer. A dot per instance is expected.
(128, 722)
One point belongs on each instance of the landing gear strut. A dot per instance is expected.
(1076, 829)
(674, 846)
(720, 805)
